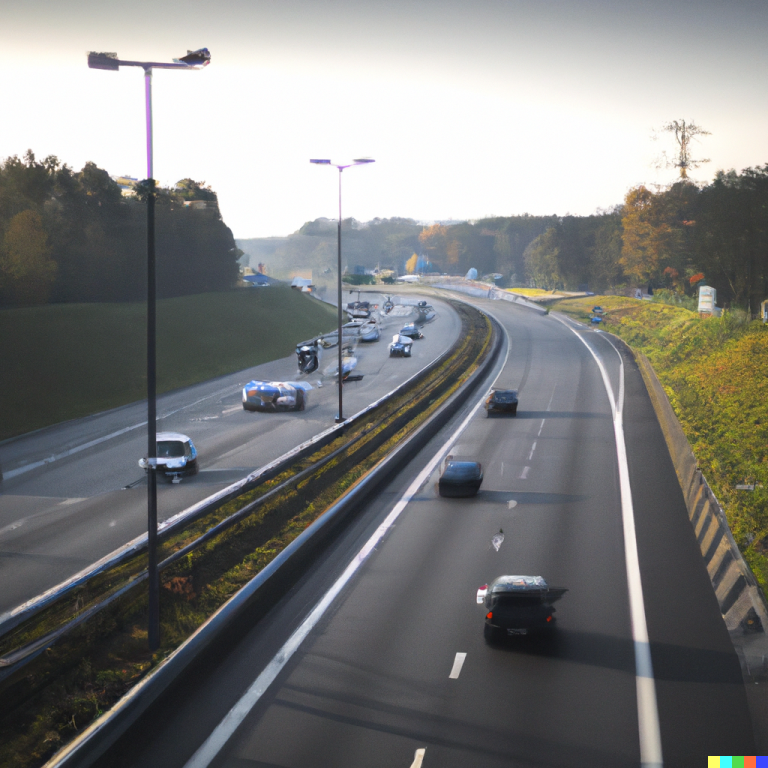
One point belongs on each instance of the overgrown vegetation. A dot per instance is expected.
(61, 692)
(714, 373)
(93, 356)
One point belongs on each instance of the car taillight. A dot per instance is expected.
(549, 618)
(489, 615)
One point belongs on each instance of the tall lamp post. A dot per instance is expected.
(341, 167)
(109, 61)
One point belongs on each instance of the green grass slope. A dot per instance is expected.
(714, 373)
(64, 361)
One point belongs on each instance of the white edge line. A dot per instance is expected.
(418, 757)
(210, 748)
(647, 706)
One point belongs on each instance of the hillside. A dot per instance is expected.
(63, 361)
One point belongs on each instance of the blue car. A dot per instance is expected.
(274, 396)
(400, 346)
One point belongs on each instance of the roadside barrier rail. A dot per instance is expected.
(132, 551)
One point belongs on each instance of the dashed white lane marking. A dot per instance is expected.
(541, 427)
(530, 455)
(67, 502)
(458, 663)
(511, 504)
(211, 747)
(524, 473)
(418, 758)
(502, 467)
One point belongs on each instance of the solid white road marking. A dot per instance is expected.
(458, 663)
(647, 706)
(418, 758)
(224, 730)
(524, 473)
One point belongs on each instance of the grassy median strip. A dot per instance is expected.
(714, 373)
(65, 688)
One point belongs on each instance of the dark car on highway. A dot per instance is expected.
(460, 478)
(400, 346)
(518, 605)
(411, 331)
(502, 401)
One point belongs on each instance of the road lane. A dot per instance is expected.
(59, 518)
(369, 686)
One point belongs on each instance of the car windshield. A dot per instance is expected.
(170, 449)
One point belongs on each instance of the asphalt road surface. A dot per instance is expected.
(59, 516)
(398, 663)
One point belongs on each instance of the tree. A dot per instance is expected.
(541, 260)
(410, 265)
(657, 237)
(25, 262)
(434, 239)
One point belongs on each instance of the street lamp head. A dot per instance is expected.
(103, 61)
(362, 160)
(199, 58)
(193, 60)
(321, 162)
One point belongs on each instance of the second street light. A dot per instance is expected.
(192, 61)
(341, 167)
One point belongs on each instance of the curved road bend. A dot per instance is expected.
(57, 519)
(398, 662)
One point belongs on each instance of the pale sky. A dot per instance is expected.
(494, 107)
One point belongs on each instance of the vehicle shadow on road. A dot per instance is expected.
(670, 662)
(504, 497)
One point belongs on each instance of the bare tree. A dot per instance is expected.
(684, 134)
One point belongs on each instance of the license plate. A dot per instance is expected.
(517, 631)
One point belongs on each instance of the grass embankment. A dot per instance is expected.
(63, 690)
(714, 373)
(64, 361)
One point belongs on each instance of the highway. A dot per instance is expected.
(395, 662)
(59, 516)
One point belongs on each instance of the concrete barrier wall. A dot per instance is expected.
(740, 598)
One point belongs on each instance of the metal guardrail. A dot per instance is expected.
(276, 577)
(178, 522)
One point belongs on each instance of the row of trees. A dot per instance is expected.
(74, 237)
(675, 238)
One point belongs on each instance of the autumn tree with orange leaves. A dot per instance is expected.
(656, 237)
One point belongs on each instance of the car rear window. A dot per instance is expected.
(170, 449)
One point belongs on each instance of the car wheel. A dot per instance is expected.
(247, 407)
(491, 634)
(514, 413)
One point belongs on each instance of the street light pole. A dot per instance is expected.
(109, 61)
(341, 167)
